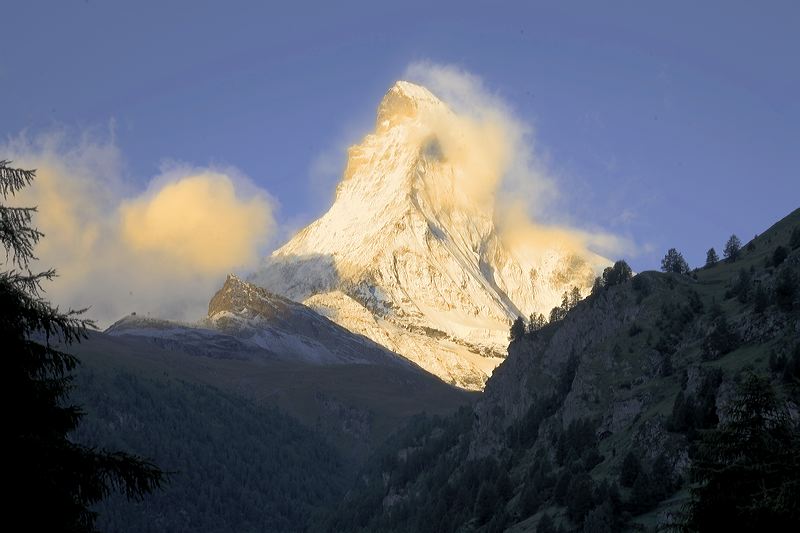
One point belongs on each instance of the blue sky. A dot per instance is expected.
(671, 123)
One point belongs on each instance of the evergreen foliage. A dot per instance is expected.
(554, 468)
(569, 300)
(536, 323)
(732, 248)
(53, 481)
(741, 288)
(779, 255)
(785, 290)
(674, 262)
(722, 340)
(517, 329)
(760, 299)
(749, 467)
(235, 465)
(693, 412)
(617, 274)
(711, 258)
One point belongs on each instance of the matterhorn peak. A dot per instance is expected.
(405, 100)
(407, 258)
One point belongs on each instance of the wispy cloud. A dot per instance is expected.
(500, 163)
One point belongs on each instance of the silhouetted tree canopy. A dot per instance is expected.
(779, 255)
(517, 329)
(617, 274)
(51, 481)
(749, 467)
(732, 248)
(537, 322)
(569, 299)
(674, 262)
(785, 290)
(711, 258)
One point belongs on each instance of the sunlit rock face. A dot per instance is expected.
(410, 257)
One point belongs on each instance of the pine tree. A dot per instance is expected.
(556, 314)
(517, 329)
(732, 248)
(574, 297)
(617, 274)
(779, 255)
(722, 340)
(673, 261)
(537, 322)
(52, 482)
(760, 299)
(749, 467)
(711, 258)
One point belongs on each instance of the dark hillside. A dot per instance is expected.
(593, 422)
(254, 445)
(234, 466)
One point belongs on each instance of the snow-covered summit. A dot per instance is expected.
(407, 257)
(404, 101)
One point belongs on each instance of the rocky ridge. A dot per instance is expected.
(406, 257)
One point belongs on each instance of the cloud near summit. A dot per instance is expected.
(496, 153)
(163, 251)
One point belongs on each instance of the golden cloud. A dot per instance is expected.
(198, 221)
(162, 252)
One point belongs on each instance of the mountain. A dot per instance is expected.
(248, 322)
(281, 353)
(261, 413)
(409, 258)
(593, 422)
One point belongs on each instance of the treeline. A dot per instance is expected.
(617, 274)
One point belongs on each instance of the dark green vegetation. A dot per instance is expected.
(234, 465)
(51, 480)
(652, 403)
(250, 445)
(675, 263)
(748, 468)
(356, 406)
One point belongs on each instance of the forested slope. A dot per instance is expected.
(594, 422)
(234, 465)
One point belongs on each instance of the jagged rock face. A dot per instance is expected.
(248, 322)
(614, 389)
(405, 257)
(280, 325)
